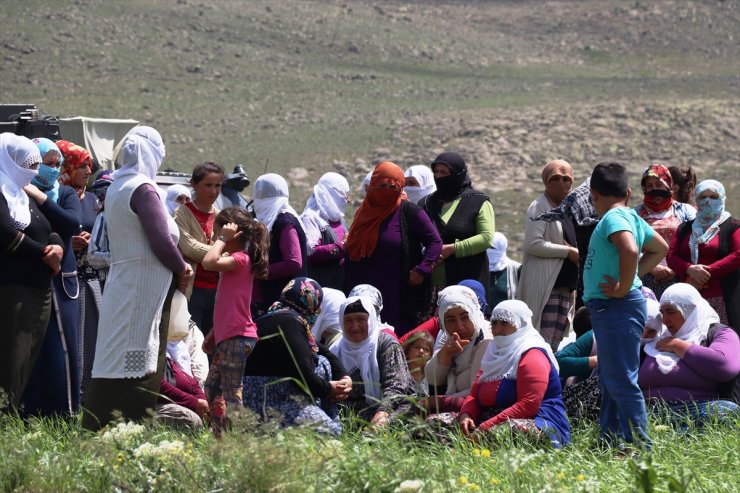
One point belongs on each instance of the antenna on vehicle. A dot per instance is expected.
(266, 161)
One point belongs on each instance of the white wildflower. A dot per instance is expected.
(122, 432)
(410, 486)
(164, 449)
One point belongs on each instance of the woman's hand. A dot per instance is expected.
(184, 277)
(573, 254)
(53, 258)
(673, 345)
(447, 251)
(415, 279)
(202, 409)
(340, 389)
(80, 242)
(593, 361)
(662, 273)
(698, 273)
(208, 343)
(467, 425)
(380, 419)
(455, 345)
(36, 194)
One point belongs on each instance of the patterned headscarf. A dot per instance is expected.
(710, 215)
(101, 184)
(577, 205)
(657, 200)
(303, 295)
(75, 157)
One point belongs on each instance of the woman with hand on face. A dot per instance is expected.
(518, 384)
(459, 347)
(393, 245)
(30, 255)
(375, 362)
(692, 365)
(663, 213)
(705, 252)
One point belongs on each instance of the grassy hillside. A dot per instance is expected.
(325, 85)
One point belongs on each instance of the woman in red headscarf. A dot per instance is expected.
(661, 211)
(392, 245)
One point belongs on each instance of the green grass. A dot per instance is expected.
(55, 455)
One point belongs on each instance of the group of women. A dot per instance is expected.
(409, 310)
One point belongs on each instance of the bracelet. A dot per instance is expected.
(221, 238)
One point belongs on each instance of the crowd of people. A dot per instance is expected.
(122, 300)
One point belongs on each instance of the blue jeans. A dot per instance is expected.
(618, 324)
(685, 414)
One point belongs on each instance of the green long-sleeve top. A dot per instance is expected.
(485, 226)
(573, 358)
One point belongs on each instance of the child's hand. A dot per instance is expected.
(230, 231)
(612, 288)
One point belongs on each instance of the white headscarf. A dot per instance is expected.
(710, 215)
(270, 198)
(502, 358)
(142, 153)
(365, 184)
(497, 259)
(465, 298)
(362, 355)
(326, 204)
(173, 192)
(698, 316)
(373, 294)
(17, 155)
(179, 353)
(426, 186)
(328, 317)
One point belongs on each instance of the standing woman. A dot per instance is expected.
(132, 335)
(663, 213)
(323, 223)
(465, 222)
(288, 249)
(195, 219)
(54, 386)
(419, 182)
(393, 245)
(705, 252)
(550, 266)
(30, 254)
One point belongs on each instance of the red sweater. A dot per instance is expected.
(532, 378)
(186, 391)
(431, 326)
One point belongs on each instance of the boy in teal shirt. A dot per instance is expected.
(618, 309)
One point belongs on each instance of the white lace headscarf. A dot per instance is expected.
(142, 153)
(328, 317)
(698, 316)
(502, 357)
(270, 199)
(362, 355)
(326, 204)
(17, 155)
(425, 177)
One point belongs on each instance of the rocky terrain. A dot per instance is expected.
(308, 87)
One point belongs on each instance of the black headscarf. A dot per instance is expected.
(451, 187)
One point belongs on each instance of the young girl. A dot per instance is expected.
(418, 350)
(195, 221)
(239, 252)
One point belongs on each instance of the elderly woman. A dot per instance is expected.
(54, 385)
(373, 294)
(419, 182)
(376, 363)
(692, 365)
(464, 219)
(323, 222)
(288, 246)
(30, 255)
(549, 275)
(177, 195)
(393, 245)
(459, 347)
(518, 384)
(663, 213)
(288, 372)
(132, 334)
(705, 252)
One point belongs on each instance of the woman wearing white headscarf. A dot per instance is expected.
(460, 345)
(518, 384)
(323, 223)
(30, 254)
(692, 365)
(288, 247)
(419, 183)
(132, 334)
(504, 271)
(705, 252)
(376, 361)
(177, 195)
(328, 325)
(376, 298)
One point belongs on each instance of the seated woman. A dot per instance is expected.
(692, 365)
(518, 384)
(328, 326)
(376, 298)
(182, 401)
(375, 362)
(418, 350)
(288, 373)
(459, 348)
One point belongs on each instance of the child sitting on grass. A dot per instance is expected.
(234, 332)
(617, 305)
